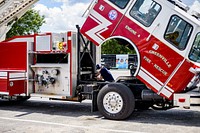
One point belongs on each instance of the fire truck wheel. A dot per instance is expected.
(115, 101)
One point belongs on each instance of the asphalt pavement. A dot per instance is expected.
(44, 116)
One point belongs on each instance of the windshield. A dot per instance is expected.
(195, 51)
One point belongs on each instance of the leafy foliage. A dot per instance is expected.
(113, 47)
(29, 23)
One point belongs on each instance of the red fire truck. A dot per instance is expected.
(166, 40)
(62, 66)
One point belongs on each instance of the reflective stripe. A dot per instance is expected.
(166, 92)
(95, 32)
(150, 79)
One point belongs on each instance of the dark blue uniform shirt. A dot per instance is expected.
(107, 76)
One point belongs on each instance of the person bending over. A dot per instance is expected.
(103, 74)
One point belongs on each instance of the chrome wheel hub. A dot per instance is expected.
(113, 102)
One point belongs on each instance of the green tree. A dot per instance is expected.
(28, 24)
(113, 47)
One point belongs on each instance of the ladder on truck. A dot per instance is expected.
(10, 11)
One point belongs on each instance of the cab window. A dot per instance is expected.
(120, 3)
(195, 51)
(178, 32)
(145, 11)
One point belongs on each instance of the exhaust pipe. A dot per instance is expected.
(148, 95)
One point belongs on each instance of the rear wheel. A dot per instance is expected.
(115, 101)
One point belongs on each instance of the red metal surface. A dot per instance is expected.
(19, 87)
(69, 50)
(13, 58)
(13, 85)
(3, 85)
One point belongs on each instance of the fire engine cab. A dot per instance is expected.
(163, 34)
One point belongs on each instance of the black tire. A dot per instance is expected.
(122, 99)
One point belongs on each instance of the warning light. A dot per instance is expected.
(181, 100)
(61, 45)
(64, 44)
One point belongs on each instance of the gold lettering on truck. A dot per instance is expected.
(161, 57)
(131, 30)
(157, 67)
(160, 69)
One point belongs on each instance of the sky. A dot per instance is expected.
(63, 15)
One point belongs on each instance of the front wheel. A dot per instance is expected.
(115, 101)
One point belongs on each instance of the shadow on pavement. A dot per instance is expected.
(73, 109)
